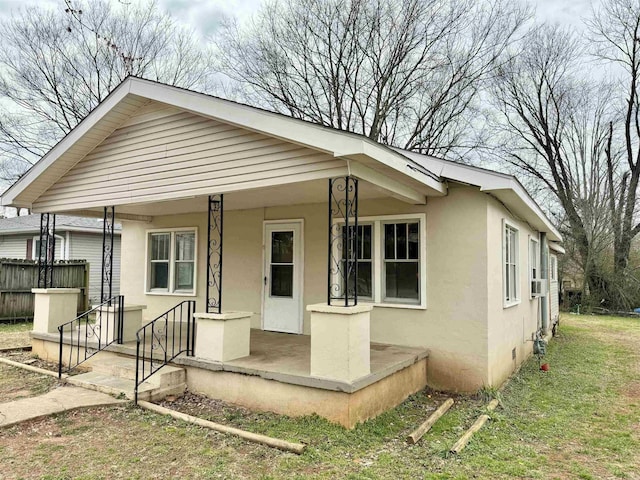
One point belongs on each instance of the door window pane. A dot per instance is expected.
(282, 247)
(282, 280)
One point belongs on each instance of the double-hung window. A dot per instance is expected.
(391, 260)
(401, 262)
(511, 269)
(364, 256)
(534, 263)
(171, 261)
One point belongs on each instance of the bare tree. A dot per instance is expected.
(403, 72)
(615, 30)
(57, 65)
(564, 130)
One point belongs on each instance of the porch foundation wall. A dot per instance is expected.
(346, 409)
(49, 352)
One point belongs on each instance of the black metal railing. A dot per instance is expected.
(91, 332)
(163, 339)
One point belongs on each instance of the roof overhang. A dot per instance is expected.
(506, 188)
(133, 93)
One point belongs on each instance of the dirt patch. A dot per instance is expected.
(633, 391)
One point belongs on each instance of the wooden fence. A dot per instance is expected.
(18, 277)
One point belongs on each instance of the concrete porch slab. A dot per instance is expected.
(285, 358)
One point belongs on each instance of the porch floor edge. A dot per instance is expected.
(412, 356)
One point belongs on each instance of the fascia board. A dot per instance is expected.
(487, 181)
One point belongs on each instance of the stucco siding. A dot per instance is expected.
(163, 153)
(453, 326)
(87, 246)
(509, 327)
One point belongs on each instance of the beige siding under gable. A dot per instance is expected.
(163, 153)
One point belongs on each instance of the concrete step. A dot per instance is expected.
(125, 367)
(125, 387)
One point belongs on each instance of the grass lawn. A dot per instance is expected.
(15, 335)
(579, 420)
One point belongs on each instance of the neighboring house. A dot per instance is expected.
(77, 238)
(452, 260)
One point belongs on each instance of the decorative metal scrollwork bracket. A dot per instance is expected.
(107, 253)
(214, 257)
(46, 250)
(343, 237)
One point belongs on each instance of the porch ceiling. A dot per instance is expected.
(315, 191)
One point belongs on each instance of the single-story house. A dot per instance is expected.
(77, 238)
(330, 273)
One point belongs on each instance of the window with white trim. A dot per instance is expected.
(60, 248)
(553, 267)
(511, 269)
(401, 269)
(364, 255)
(534, 261)
(391, 260)
(171, 261)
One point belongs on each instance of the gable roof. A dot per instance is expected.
(31, 223)
(426, 174)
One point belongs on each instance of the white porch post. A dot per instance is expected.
(220, 336)
(54, 307)
(340, 329)
(340, 341)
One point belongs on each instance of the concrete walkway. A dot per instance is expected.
(61, 399)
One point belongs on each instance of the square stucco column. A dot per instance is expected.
(53, 307)
(132, 321)
(340, 341)
(222, 336)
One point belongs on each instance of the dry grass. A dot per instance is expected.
(15, 335)
(579, 420)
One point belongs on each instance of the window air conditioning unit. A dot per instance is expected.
(538, 288)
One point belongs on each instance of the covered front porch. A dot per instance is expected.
(276, 377)
(236, 220)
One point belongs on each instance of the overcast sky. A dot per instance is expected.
(204, 15)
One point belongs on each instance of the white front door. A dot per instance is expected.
(283, 277)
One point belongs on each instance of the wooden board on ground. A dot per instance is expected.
(417, 434)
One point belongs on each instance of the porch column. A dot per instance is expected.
(107, 254)
(342, 272)
(220, 336)
(52, 307)
(340, 329)
(214, 254)
(46, 250)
